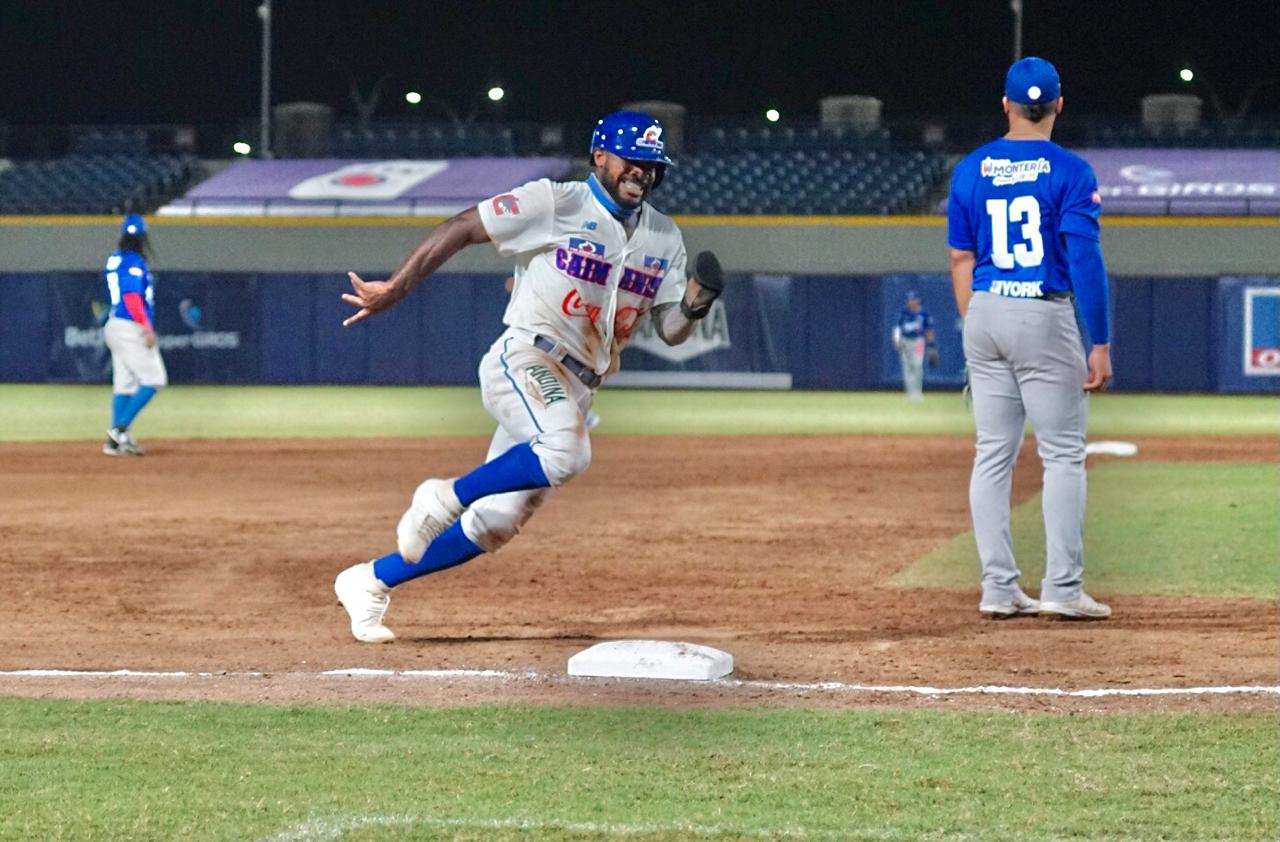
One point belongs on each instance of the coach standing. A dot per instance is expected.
(137, 370)
(1027, 270)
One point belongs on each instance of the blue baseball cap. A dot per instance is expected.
(134, 225)
(912, 295)
(1032, 81)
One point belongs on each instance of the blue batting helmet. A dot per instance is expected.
(134, 226)
(631, 135)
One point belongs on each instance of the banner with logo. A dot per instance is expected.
(1249, 334)
(1175, 181)
(205, 323)
(742, 343)
(335, 186)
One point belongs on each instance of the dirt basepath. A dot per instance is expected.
(220, 556)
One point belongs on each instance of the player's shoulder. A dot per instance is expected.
(975, 158)
(659, 222)
(1068, 161)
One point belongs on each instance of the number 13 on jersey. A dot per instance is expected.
(1030, 251)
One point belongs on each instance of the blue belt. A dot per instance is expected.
(578, 369)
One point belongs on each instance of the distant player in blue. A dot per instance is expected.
(1027, 270)
(912, 338)
(137, 371)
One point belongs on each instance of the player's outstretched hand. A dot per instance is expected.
(370, 296)
(1099, 369)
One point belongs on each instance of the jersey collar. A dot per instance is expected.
(602, 196)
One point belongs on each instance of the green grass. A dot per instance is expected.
(144, 770)
(1195, 529)
(67, 413)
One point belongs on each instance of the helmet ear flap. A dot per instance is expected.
(659, 173)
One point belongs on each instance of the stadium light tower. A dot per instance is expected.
(1016, 7)
(264, 129)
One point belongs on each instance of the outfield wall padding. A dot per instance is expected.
(1189, 334)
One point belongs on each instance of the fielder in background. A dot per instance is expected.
(914, 341)
(1024, 235)
(592, 258)
(137, 370)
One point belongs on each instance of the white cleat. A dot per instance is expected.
(1083, 607)
(434, 509)
(1020, 605)
(366, 600)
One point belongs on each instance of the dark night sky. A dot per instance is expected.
(91, 61)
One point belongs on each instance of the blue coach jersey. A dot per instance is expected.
(914, 325)
(1011, 203)
(127, 271)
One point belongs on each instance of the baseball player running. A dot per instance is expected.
(912, 338)
(591, 259)
(1024, 236)
(137, 370)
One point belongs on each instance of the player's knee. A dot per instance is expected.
(492, 527)
(564, 455)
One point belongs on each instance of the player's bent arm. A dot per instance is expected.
(675, 324)
(443, 242)
(962, 263)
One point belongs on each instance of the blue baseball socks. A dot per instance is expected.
(518, 469)
(125, 408)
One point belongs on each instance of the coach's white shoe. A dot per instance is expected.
(366, 600)
(1019, 605)
(434, 509)
(1083, 607)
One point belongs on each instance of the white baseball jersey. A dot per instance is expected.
(579, 279)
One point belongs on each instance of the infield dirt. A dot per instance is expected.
(220, 557)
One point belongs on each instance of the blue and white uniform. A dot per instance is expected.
(137, 370)
(587, 271)
(910, 335)
(1029, 211)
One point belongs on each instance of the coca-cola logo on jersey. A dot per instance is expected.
(624, 321)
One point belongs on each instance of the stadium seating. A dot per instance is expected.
(1257, 135)
(425, 140)
(815, 182)
(95, 183)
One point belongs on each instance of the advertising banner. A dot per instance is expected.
(1248, 311)
(336, 186)
(206, 327)
(1187, 181)
(742, 343)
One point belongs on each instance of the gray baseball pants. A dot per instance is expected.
(1027, 362)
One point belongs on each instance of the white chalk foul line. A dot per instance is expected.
(775, 686)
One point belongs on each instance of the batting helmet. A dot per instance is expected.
(634, 136)
(134, 226)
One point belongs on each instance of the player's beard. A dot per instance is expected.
(610, 184)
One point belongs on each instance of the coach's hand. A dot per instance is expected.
(370, 296)
(149, 336)
(1099, 369)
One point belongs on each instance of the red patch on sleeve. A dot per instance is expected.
(506, 204)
